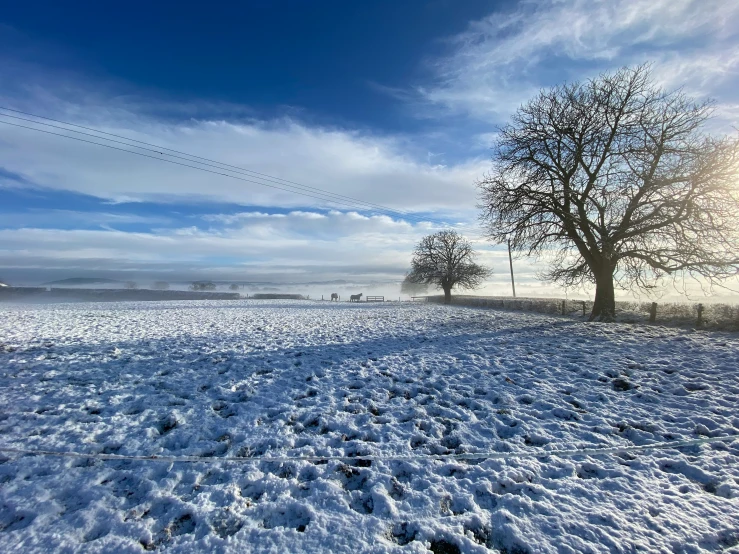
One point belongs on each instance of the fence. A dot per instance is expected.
(278, 296)
(485, 455)
(374, 298)
(707, 316)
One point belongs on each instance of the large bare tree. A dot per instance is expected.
(617, 183)
(446, 260)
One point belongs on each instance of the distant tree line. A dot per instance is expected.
(203, 285)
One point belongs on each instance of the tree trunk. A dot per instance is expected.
(604, 306)
(447, 295)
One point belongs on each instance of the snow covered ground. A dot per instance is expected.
(274, 378)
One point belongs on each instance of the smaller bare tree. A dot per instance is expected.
(446, 260)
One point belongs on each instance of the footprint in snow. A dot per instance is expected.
(294, 516)
(226, 526)
(97, 532)
(709, 483)
(403, 533)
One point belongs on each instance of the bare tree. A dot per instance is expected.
(160, 285)
(617, 181)
(446, 260)
(131, 285)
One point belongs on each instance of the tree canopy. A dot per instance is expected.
(618, 183)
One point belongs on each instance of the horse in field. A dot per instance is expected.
(334, 296)
(355, 297)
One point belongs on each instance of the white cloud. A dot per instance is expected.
(336, 243)
(72, 218)
(498, 63)
(501, 60)
(374, 169)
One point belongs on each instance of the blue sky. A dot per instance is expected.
(394, 103)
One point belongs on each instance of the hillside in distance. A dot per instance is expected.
(80, 281)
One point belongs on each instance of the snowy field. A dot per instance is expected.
(283, 379)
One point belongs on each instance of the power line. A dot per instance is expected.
(147, 156)
(278, 183)
(158, 148)
(276, 180)
(324, 198)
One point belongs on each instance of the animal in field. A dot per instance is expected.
(334, 296)
(355, 297)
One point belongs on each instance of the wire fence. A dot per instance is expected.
(520, 454)
(720, 317)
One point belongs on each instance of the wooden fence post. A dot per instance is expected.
(583, 308)
(564, 307)
(699, 320)
(653, 312)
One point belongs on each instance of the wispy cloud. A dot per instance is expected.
(34, 218)
(12, 179)
(336, 243)
(374, 169)
(292, 235)
(501, 60)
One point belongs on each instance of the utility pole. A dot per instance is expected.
(510, 261)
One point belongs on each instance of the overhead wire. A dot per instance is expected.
(147, 156)
(276, 180)
(271, 181)
(159, 148)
